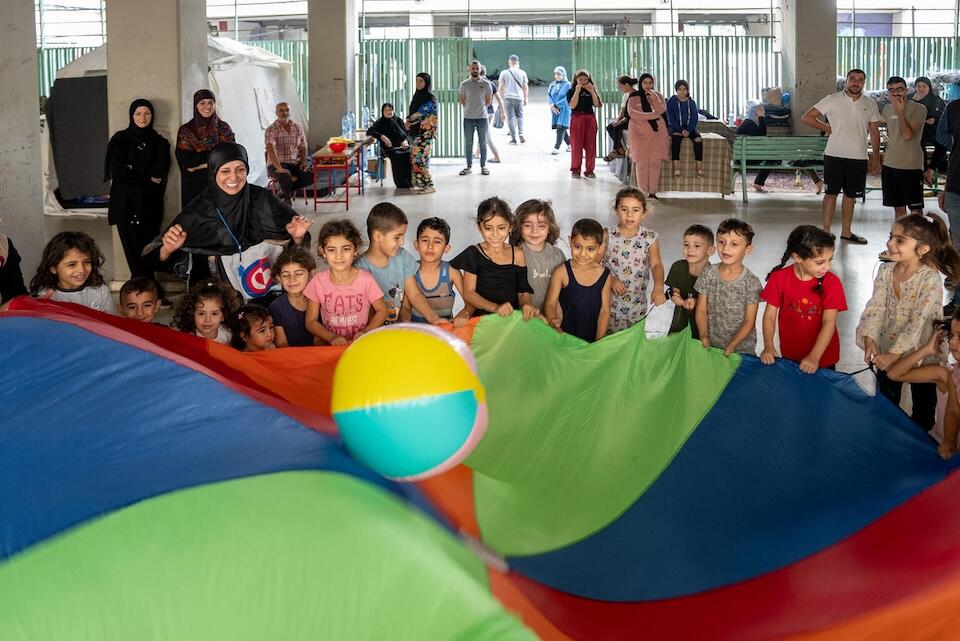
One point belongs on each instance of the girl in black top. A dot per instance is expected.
(494, 273)
(138, 161)
(582, 99)
(388, 130)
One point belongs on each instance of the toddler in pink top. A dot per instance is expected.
(341, 298)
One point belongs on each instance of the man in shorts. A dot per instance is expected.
(902, 172)
(850, 115)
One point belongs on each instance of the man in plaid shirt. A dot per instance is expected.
(287, 154)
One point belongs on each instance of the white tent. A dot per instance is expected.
(248, 82)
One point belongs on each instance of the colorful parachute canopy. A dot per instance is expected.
(634, 489)
(143, 498)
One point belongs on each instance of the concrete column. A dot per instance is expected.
(422, 25)
(332, 27)
(158, 51)
(21, 200)
(809, 55)
(664, 22)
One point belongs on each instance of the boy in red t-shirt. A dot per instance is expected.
(803, 300)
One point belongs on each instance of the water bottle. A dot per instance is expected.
(731, 118)
(365, 118)
(346, 128)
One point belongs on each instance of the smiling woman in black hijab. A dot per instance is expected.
(137, 161)
(233, 229)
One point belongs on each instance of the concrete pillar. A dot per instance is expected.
(422, 25)
(21, 200)
(158, 51)
(809, 55)
(664, 22)
(332, 28)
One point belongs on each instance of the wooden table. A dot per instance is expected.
(328, 161)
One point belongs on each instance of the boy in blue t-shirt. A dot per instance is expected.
(392, 266)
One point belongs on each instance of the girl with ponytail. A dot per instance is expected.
(803, 300)
(907, 298)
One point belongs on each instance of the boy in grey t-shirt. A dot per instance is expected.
(729, 293)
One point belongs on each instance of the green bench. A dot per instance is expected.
(749, 152)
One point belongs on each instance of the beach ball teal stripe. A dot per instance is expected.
(380, 434)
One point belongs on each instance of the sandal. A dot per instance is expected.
(484, 171)
(699, 173)
(853, 238)
(759, 188)
(465, 171)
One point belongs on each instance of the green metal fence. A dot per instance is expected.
(881, 58)
(388, 73)
(294, 51)
(723, 72)
(49, 61)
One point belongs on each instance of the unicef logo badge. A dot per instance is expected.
(256, 278)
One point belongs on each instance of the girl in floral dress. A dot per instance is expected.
(632, 253)
(422, 125)
(907, 298)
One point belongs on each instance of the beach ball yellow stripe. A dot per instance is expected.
(399, 365)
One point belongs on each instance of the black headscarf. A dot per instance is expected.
(644, 102)
(421, 96)
(215, 221)
(139, 137)
(934, 103)
(392, 128)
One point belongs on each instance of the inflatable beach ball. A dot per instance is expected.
(408, 402)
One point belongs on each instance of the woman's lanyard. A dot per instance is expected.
(234, 237)
(229, 231)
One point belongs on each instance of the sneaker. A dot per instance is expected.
(484, 171)
(853, 238)
(513, 141)
(574, 174)
(465, 171)
(589, 174)
(554, 151)
(522, 139)
(427, 190)
(653, 196)
(569, 149)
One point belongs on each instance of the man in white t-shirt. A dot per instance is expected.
(850, 115)
(514, 88)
